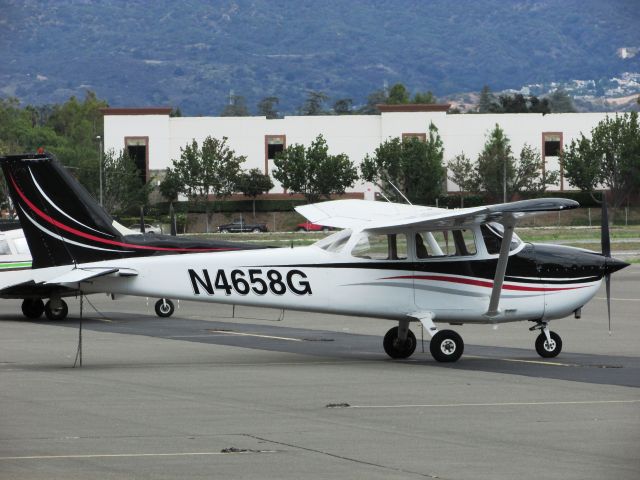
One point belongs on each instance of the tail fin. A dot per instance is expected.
(62, 223)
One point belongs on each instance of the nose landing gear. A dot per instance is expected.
(548, 343)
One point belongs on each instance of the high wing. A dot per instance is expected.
(381, 216)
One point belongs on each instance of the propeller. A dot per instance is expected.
(605, 240)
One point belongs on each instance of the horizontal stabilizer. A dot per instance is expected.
(78, 275)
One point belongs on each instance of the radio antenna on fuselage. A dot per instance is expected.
(398, 190)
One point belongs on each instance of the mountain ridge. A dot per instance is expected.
(195, 54)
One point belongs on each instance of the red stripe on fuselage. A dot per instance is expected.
(88, 236)
(478, 283)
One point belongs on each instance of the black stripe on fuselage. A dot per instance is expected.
(544, 264)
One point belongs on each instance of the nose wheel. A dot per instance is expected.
(548, 347)
(548, 343)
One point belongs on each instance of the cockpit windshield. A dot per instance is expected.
(334, 242)
(492, 234)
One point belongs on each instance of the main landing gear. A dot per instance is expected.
(164, 308)
(55, 308)
(448, 346)
(445, 345)
(548, 343)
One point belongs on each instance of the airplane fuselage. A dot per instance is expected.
(542, 282)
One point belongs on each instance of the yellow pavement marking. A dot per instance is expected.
(619, 299)
(131, 455)
(500, 404)
(242, 334)
(537, 362)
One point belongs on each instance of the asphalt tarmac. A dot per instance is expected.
(217, 392)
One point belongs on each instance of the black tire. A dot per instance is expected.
(165, 308)
(446, 346)
(301, 229)
(32, 308)
(546, 349)
(58, 313)
(394, 348)
(325, 229)
(256, 230)
(224, 230)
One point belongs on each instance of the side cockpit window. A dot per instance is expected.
(445, 243)
(492, 236)
(388, 246)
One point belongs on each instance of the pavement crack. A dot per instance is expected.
(345, 458)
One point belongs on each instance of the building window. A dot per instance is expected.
(421, 137)
(551, 150)
(273, 144)
(552, 144)
(138, 150)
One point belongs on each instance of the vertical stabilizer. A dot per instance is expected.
(62, 223)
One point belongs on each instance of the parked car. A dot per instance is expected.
(312, 227)
(240, 226)
(147, 228)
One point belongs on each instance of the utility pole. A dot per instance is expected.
(99, 138)
(504, 181)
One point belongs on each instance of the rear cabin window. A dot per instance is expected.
(445, 243)
(381, 247)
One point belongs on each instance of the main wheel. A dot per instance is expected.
(56, 310)
(256, 230)
(548, 349)
(32, 308)
(164, 308)
(446, 346)
(397, 349)
(224, 230)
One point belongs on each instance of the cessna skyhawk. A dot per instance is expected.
(398, 262)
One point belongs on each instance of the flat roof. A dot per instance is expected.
(137, 111)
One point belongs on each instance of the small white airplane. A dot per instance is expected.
(398, 262)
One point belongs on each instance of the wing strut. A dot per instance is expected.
(501, 268)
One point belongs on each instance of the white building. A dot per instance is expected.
(154, 138)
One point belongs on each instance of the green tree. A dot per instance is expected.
(398, 95)
(237, 107)
(268, 107)
(486, 100)
(495, 163)
(462, 173)
(525, 175)
(210, 170)
(343, 106)
(610, 158)
(413, 166)
(375, 98)
(170, 186)
(313, 172)
(530, 175)
(561, 102)
(254, 183)
(314, 104)
(121, 184)
(424, 97)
